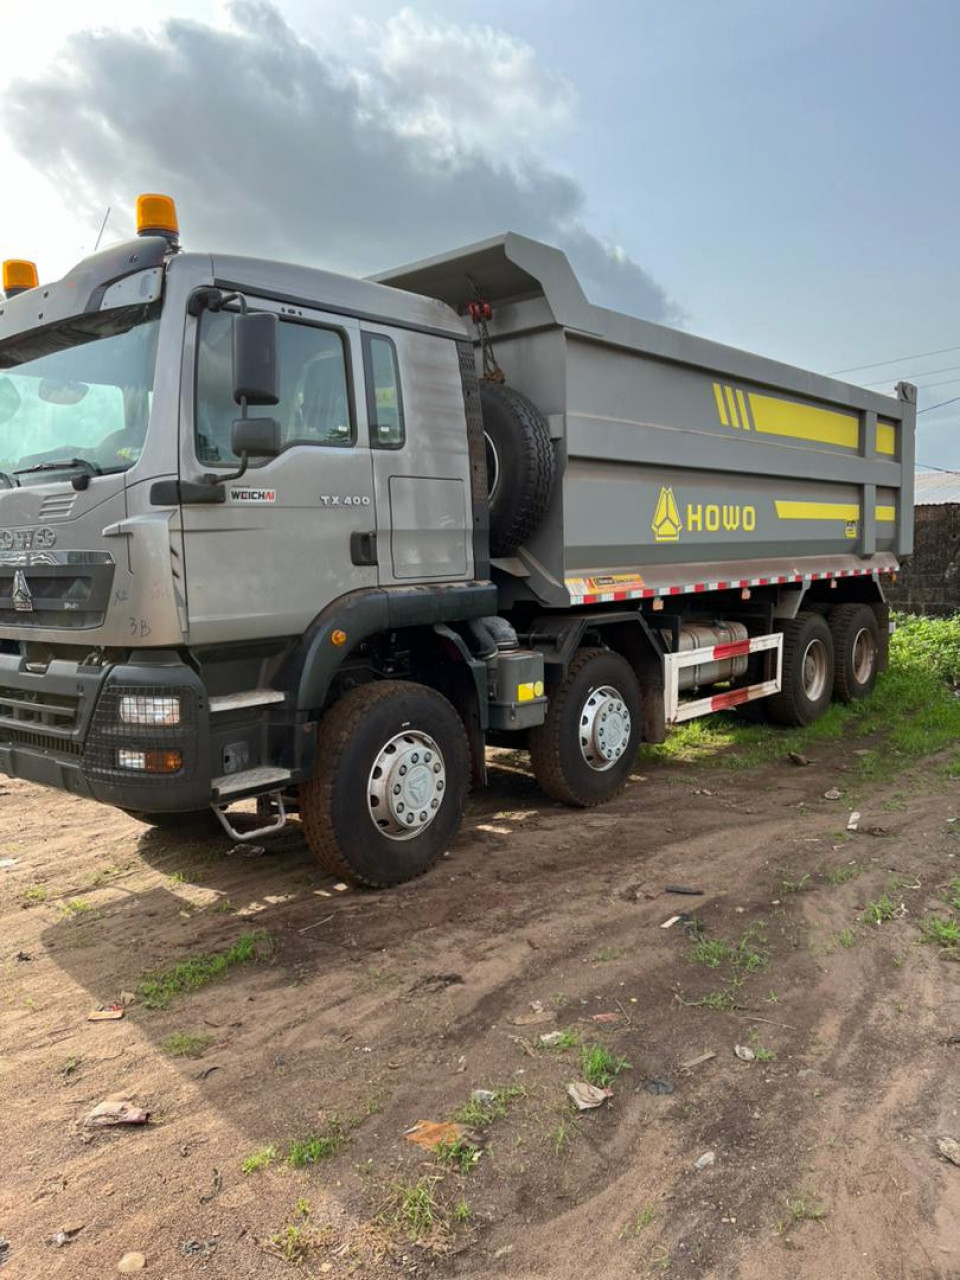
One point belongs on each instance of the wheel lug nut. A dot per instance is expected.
(396, 789)
(409, 817)
(436, 767)
(415, 757)
(402, 770)
(427, 757)
(434, 803)
(400, 807)
(423, 816)
(439, 786)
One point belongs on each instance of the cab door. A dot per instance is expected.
(279, 548)
(421, 467)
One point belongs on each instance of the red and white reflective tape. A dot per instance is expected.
(675, 711)
(693, 588)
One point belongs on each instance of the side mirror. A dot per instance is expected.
(255, 437)
(255, 367)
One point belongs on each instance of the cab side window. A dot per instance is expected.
(384, 403)
(315, 401)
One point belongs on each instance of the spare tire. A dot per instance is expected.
(521, 466)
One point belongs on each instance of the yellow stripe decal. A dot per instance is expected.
(744, 416)
(817, 510)
(886, 438)
(775, 417)
(732, 407)
(886, 514)
(721, 407)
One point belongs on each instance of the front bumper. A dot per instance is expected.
(61, 728)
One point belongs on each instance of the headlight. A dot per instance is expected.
(149, 710)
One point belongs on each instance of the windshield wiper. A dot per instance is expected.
(9, 480)
(63, 464)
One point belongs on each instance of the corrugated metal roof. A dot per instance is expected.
(937, 488)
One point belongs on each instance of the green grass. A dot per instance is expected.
(843, 875)
(317, 1146)
(599, 1065)
(460, 1155)
(560, 1138)
(567, 1039)
(879, 911)
(415, 1208)
(76, 907)
(479, 1114)
(183, 1044)
(790, 885)
(711, 952)
(259, 1160)
(35, 893)
(606, 954)
(942, 932)
(462, 1212)
(953, 893)
(160, 987)
(847, 938)
(639, 1222)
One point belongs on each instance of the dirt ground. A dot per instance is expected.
(368, 1012)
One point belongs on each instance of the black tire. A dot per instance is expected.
(805, 690)
(335, 806)
(856, 644)
(202, 822)
(558, 758)
(521, 466)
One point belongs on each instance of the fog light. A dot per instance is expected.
(148, 710)
(150, 761)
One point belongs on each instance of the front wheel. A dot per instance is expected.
(806, 684)
(583, 752)
(389, 795)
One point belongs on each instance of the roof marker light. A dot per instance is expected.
(19, 276)
(157, 216)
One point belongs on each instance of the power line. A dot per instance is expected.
(920, 373)
(920, 355)
(928, 386)
(931, 407)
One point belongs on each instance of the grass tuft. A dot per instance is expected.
(158, 988)
(599, 1065)
(259, 1160)
(183, 1044)
(479, 1113)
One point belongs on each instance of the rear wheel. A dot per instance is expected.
(392, 784)
(583, 752)
(856, 643)
(807, 675)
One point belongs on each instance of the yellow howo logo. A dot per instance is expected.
(700, 517)
(666, 519)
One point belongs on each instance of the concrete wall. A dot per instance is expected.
(929, 581)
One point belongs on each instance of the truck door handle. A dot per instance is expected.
(363, 547)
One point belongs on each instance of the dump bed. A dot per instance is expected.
(684, 464)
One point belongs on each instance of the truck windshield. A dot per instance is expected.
(79, 394)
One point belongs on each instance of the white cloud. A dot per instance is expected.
(275, 148)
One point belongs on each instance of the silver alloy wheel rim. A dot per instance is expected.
(864, 655)
(406, 785)
(814, 669)
(493, 467)
(605, 728)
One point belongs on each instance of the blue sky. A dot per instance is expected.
(782, 175)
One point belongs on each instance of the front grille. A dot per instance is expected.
(35, 741)
(108, 735)
(27, 706)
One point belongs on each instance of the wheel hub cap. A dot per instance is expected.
(406, 785)
(814, 670)
(605, 727)
(864, 655)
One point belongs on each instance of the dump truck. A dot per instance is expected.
(273, 534)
